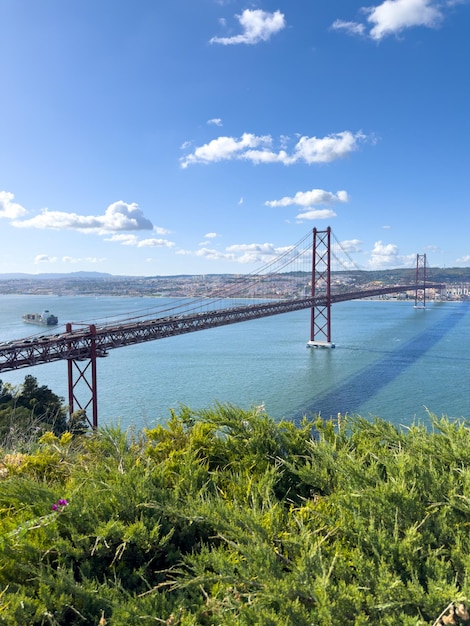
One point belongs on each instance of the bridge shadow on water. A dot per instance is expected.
(358, 389)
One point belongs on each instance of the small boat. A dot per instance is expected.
(46, 318)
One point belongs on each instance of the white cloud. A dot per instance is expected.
(307, 149)
(126, 240)
(133, 240)
(253, 252)
(44, 258)
(119, 216)
(391, 17)
(257, 26)
(161, 231)
(242, 253)
(213, 255)
(9, 209)
(316, 214)
(310, 198)
(211, 235)
(225, 148)
(326, 149)
(387, 255)
(216, 121)
(155, 243)
(88, 259)
(352, 28)
(351, 245)
(267, 156)
(383, 255)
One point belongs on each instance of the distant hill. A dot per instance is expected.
(389, 276)
(55, 276)
(433, 274)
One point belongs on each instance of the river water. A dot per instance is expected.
(390, 360)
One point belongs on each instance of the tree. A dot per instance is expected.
(27, 411)
(44, 404)
(5, 393)
(78, 422)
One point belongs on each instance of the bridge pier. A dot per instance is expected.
(320, 344)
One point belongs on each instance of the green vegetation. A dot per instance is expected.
(225, 517)
(29, 410)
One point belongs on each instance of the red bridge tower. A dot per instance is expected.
(320, 323)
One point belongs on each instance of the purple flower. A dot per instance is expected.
(61, 502)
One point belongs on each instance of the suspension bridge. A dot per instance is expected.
(300, 277)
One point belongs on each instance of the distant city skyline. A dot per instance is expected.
(206, 137)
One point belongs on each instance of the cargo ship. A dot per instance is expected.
(46, 318)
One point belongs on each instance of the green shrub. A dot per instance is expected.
(224, 516)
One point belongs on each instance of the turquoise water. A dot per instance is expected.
(390, 360)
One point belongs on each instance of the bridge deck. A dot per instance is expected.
(96, 341)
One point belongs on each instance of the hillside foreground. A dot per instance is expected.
(226, 517)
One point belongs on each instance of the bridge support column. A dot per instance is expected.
(320, 321)
(84, 374)
(420, 302)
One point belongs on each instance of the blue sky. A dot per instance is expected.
(164, 137)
